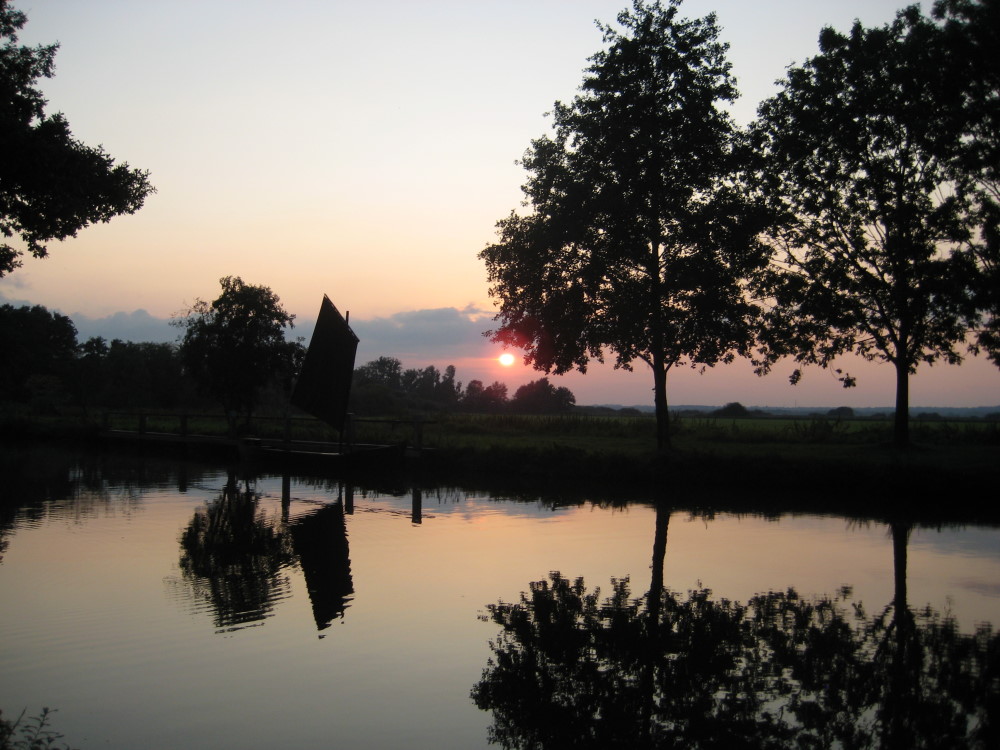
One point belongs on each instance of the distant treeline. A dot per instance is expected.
(736, 410)
(382, 386)
(47, 370)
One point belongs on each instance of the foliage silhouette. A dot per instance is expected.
(541, 397)
(733, 409)
(235, 346)
(858, 162)
(38, 349)
(33, 733)
(972, 36)
(386, 371)
(51, 185)
(637, 240)
(485, 398)
(130, 375)
(572, 669)
(232, 555)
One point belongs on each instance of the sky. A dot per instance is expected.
(366, 151)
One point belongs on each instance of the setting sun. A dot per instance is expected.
(506, 359)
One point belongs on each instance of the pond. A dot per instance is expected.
(165, 604)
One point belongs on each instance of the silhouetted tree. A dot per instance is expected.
(637, 240)
(387, 371)
(480, 398)
(131, 375)
(235, 346)
(383, 387)
(541, 397)
(38, 349)
(734, 409)
(421, 384)
(971, 31)
(449, 390)
(51, 185)
(841, 412)
(858, 162)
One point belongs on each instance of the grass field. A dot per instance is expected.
(569, 448)
(629, 435)
(821, 464)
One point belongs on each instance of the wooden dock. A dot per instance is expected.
(283, 452)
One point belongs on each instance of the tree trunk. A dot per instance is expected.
(654, 606)
(900, 539)
(660, 403)
(659, 554)
(901, 422)
(657, 358)
(903, 686)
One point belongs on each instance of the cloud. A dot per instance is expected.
(437, 334)
(137, 325)
(416, 337)
(5, 300)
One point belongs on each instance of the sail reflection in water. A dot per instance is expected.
(320, 542)
(575, 668)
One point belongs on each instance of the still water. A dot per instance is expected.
(171, 605)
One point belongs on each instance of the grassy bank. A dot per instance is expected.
(741, 455)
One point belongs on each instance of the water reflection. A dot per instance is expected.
(571, 667)
(232, 557)
(320, 544)
(95, 542)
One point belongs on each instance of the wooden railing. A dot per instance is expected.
(287, 429)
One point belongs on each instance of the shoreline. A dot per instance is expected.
(931, 482)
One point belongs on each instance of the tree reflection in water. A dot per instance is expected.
(232, 556)
(573, 668)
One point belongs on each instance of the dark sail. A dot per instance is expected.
(324, 384)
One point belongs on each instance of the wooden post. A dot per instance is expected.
(184, 425)
(417, 506)
(418, 434)
(142, 424)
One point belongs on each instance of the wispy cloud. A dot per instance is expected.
(423, 334)
(137, 325)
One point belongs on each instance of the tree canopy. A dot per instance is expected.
(971, 31)
(636, 240)
(51, 185)
(541, 397)
(861, 162)
(235, 345)
(38, 348)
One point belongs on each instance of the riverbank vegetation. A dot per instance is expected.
(752, 455)
(57, 388)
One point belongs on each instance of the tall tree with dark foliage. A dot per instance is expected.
(51, 185)
(636, 240)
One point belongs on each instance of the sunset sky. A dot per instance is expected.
(365, 151)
